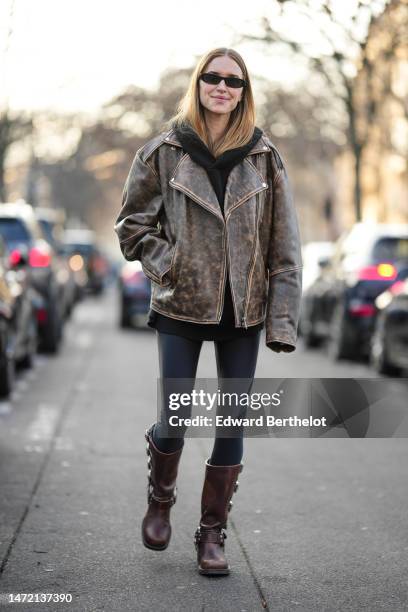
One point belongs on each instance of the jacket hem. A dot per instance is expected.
(156, 308)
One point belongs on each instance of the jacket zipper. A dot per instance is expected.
(232, 289)
(224, 275)
(251, 268)
(226, 253)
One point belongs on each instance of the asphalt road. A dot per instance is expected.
(317, 524)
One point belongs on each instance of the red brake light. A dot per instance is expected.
(39, 258)
(99, 264)
(382, 271)
(14, 257)
(362, 310)
(41, 315)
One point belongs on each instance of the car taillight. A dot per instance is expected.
(97, 263)
(39, 258)
(382, 271)
(15, 257)
(42, 316)
(359, 309)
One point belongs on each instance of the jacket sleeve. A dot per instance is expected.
(137, 224)
(285, 266)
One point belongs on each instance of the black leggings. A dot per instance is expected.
(178, 358)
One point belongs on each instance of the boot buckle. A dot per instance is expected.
(221, 536)
(150, 494)
(150, 489)
(197, 537)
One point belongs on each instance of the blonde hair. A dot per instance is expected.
(190, 111)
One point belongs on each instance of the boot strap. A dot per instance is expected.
(163, 500)
(217, 536)
(171, 500)
(150, 487)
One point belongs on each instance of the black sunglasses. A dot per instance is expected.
(214, 79)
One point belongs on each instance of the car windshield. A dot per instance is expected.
(14, 232)
(390, 249)
(82, 248)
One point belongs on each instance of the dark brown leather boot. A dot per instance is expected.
(161, 494)
(219, 486)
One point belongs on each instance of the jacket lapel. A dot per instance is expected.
(192, 179)
(244, 181)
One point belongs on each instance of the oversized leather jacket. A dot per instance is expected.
(172, 222)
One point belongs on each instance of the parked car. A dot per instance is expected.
(315, 255)
(51, 221)
(18, 326)
(389, 344)
(134, 294)
(24, 239)
(86, 260)
(340, 303)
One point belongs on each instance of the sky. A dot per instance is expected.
(75, 55)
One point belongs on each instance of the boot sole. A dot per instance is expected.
(213, 572)
(147, 545)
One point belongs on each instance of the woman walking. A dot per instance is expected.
(208, 211)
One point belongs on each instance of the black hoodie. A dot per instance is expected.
(218, 169)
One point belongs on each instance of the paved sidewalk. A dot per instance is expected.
(317, 525)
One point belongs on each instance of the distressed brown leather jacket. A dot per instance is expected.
(172, 222)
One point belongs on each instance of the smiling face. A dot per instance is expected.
(221, 99)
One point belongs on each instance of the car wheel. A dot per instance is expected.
(7, 369)
(124, 320)
(68, 310)
(32, 345)
(310, 340)
(306, 326)
(51, 333)
(339, 345)
(379, 356)
(385, 367)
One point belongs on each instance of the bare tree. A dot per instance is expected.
(12, 128)
(343, 43)
(388, 49)
(86, 172)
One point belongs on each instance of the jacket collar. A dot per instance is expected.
(244, 180)
(260, 146)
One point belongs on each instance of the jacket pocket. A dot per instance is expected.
(162, 272)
